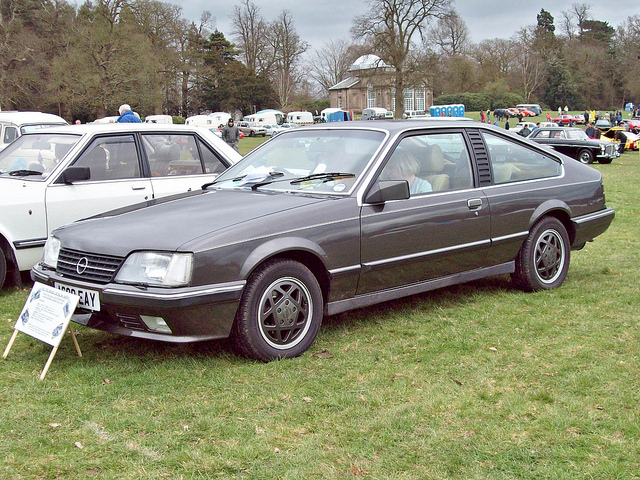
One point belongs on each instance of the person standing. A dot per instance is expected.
(590, 131)
(231, 135)
(506, 125)
(127, 115)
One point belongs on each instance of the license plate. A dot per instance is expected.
(89, 299)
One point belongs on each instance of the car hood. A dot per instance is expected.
(168, 224)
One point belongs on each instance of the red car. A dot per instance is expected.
(526, 112)
(565, 120)
(634, 124)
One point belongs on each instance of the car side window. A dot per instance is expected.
(212, 163)
(111, 158)
(430, 163)
(511, 162)
(172, 155)
(10, 134)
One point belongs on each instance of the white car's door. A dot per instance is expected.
(116, 181)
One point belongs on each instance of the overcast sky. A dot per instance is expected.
(321, 20)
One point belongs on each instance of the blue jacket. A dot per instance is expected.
(128, 117)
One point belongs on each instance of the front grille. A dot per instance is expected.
(99, 268)
(611, 149)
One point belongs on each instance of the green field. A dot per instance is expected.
(478, 381)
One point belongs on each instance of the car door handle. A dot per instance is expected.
(138, 187)
(474, 203)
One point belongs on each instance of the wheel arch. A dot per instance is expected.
(10, 258)
(299, 249)
(559, 210)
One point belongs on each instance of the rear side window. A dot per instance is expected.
(10, 134)
(512, 162)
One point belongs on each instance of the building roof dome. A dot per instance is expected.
(368, 61)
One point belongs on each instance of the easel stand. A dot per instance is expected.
(51, 355)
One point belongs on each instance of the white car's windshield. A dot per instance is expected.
(319, 160)
(35, 155)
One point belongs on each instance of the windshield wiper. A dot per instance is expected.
(24, 173)
(326, 177)
(260, 180)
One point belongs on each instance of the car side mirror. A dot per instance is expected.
(386, 190)
(75, 174)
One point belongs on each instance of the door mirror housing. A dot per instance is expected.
(386, 190)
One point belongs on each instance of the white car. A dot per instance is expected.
(14, 124)
(252, 129)
(52, 177)
(520, 125)
(273, 129)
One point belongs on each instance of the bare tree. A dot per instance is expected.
(330, 64)
(288, 49)
(573, 20)
(250, 31)
(450, 34)
(530, 65)
(391, 27)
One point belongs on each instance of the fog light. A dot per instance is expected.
(156, 324)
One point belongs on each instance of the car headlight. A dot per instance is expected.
(50, 252)
(157, 268)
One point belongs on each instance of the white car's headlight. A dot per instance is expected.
(50, 252)
(157, 268)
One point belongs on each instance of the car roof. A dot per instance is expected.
(398, 125)
(123, 127)
(28, 118)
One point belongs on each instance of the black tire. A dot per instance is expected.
(585, 156)
(252, 133)
(3, 268)
(543, 261)
(280, 312)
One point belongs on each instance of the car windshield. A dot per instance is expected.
(35, 155)
(577, 134)
(315, 160)
(30, 128)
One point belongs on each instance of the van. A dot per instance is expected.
(374, 113)
(164, 119)
(300, 117)
(13, 124)
(202, 121)
(534, 107)
(220, 118)
(265, 117)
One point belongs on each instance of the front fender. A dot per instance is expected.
(278, 246)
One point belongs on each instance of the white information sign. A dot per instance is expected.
(46, 313)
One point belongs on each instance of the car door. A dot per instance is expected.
(442, 229)
(180, 162)
(116, 181)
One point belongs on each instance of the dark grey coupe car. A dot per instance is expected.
(324, 219)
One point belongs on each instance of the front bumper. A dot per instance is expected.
(191, 313)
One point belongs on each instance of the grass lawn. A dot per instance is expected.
(478, 381)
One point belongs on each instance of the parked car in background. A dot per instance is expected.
(13, 124)
(631, 139)
(324, 219)
(634, 125)
(603, 124)
(520, 125)
(415, 114)
(526, 112)
(252, 129)
(565, 120)
(534, 107)
(580, 119)
(55, 176)
(575, 143)
(272, 129)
